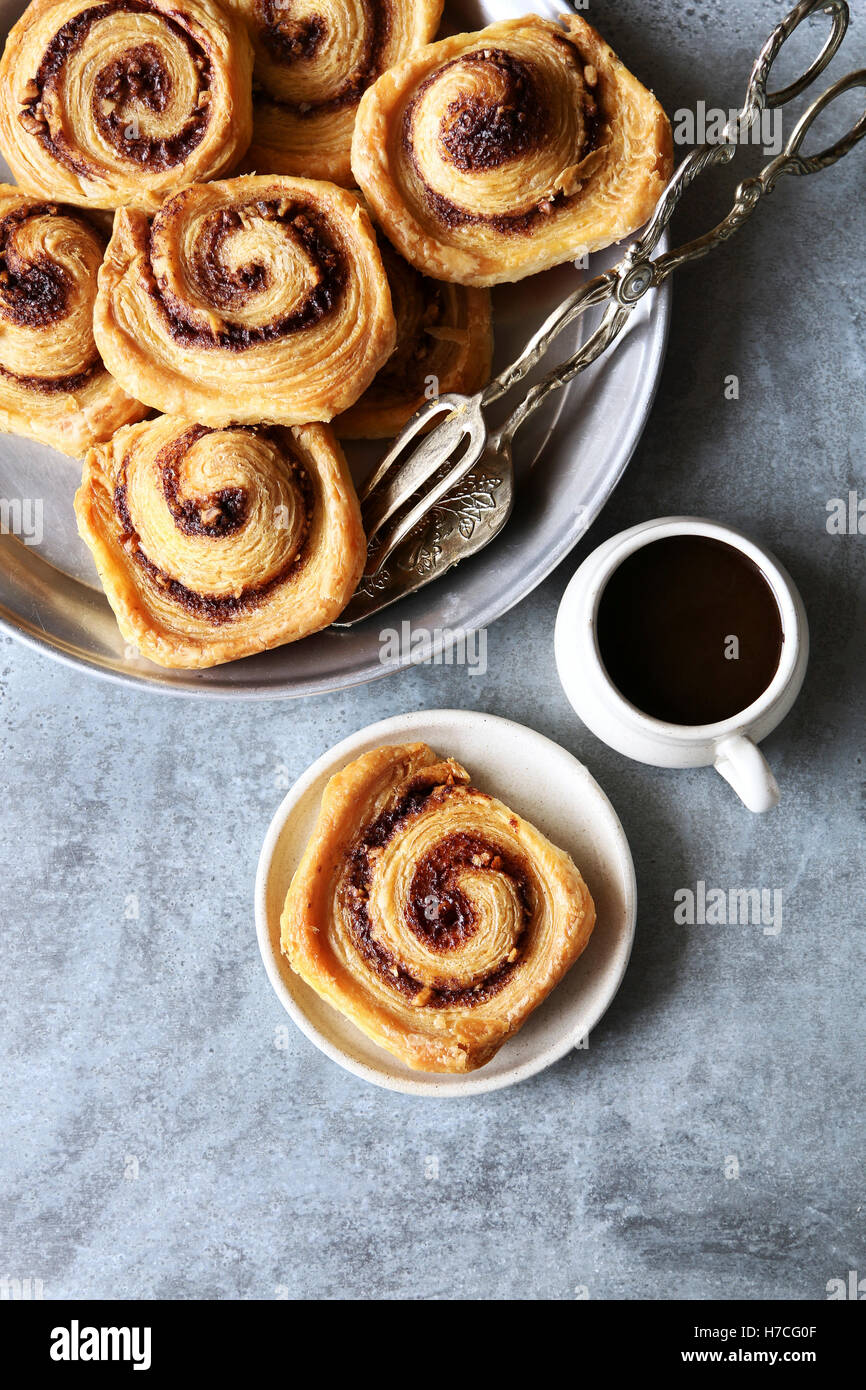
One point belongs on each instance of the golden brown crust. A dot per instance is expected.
(312, 64)
(214, 544)
(53, 384)
(490, 156)
(257, 299)
(428, 913)
(120, 102)
(444, 343)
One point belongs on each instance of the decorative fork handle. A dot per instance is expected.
(597, 291)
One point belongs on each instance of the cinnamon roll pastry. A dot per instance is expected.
(53, 385)
(251, 300)
(491, 156)
(119, 102)
(428, 913)
(444, 343)
(213, 544)
(313, 61)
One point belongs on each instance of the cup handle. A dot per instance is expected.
(743, 764)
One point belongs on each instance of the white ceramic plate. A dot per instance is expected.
(584, 437)
(544, 784)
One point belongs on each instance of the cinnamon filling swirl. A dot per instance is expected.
(229, 288)
(289, 39)
(438, 912)
(216, 544)
(218, 515)
(477, 134)
(53, 385)
(37, 293)
(137, 80)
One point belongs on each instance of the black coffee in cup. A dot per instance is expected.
(689, 630)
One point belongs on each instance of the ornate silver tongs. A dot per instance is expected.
(461, 459)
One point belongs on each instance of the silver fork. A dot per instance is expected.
(432, 503)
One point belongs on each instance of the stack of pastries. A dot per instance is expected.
(244, 229)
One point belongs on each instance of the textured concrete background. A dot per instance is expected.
(147, 1045)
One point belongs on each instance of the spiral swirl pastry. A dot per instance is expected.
(118, 103)
(444, 343)
(428, 913)
(246, 301)
(53, 385)
(213, 544)
(313, 61)
(491, 156)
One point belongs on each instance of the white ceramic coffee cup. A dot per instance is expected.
(730, 744)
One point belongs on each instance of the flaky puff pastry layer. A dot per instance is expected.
(490, 156)
(214, 544)
(428, 913)
(313, 61)
(249, 300)
(53, 384)
(444, 343)
(120, 102)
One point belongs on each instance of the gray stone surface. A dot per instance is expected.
(151, 1040)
